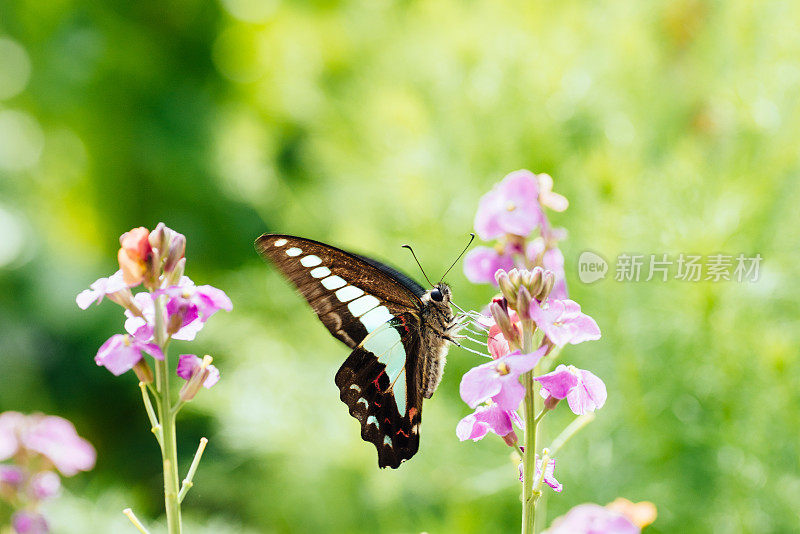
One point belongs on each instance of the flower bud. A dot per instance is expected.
(177, 248)
(548, 281)
(506, 286)
(503, 322)
(158, 237)
(174, 277)
(143, 372)
(515, 277)
(11, 475)
(523, 303)
(198, 378)
(534, 284)
(124, 298)
(134, 254)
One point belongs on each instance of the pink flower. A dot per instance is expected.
(551, 259)
(189, 364)
(584, 391)
(188, 303)
(511, 207)
(563, 322)
(45, 485)
(481, 263)
(497, 343)
(100, 288)
(499, 380)
(121, 352)
(487, 419)
(592, 519)
(549, 473)
(53, 437)
(188, 324)
(10, 423)
(11, 475)
(26, 522)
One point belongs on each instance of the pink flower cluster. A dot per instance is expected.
(533, 296)
(37, 444)
(156, 261)
(510, 213)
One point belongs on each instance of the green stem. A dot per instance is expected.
(169, 449)
(529, 456)
(136, 523)
(188, 481)
(573, 428)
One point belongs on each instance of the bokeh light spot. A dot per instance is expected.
(21, 140)
(15, 68)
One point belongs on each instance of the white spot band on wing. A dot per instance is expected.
(294, 251)
(320, 272)
(371, 420)
(280, 242)
(310, 261)
(374, 318)
(333, 282)
(348, 293)
(362, 305)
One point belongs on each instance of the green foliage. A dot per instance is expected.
(670, 126)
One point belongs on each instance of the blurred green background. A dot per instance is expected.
(672, 126)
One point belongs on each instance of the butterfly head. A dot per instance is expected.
(439, 296)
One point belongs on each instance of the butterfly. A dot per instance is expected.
(398, 331)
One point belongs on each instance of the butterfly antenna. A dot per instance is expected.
(471, 239)
(418, 263)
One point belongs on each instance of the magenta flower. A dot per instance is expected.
(511, 207)
(499, 380)
(563, 322)
(101, 288)
(188, 324)
(121, 352)
(584, 391)
(188, 303)
(481, 263)
(45, 485)
(551, 259)
(9, 443)
(549, 473)
(592, 519)
(26, 522)
(189, 364)
(485, 419)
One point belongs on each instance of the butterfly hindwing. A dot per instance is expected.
(351, 295)
(379, 384)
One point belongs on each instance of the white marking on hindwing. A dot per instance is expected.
(310, 261)
(387, 345)
(294, 251)
(348, 293)
(371, 420)
(333, 282)
(320, 272)
(355, 387)
(362, 305)
(362, 399)
(387, 441)
(374, 318)
(280, 242)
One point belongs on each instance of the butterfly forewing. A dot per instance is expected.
(378, 382)
(351, 295)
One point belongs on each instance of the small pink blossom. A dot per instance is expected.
(563, 322)
(188, 303)
(584, 391)
(133, 255)
(26, 522)
(101, 288)
(592, 519)
(485, 419)
(481, 263)
(189, 364)
(142, 327)
(499, 380)
(549, 473)
(511, 207)
(11, 475)
(121, 352)
(45, 485)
